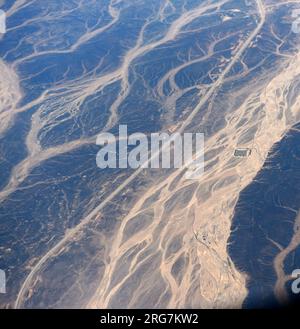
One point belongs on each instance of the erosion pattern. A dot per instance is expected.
(73, 235)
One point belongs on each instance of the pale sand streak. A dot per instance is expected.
(88, 87)
(10, 95)
(71, 233)
(282, 278)
(213, 257)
